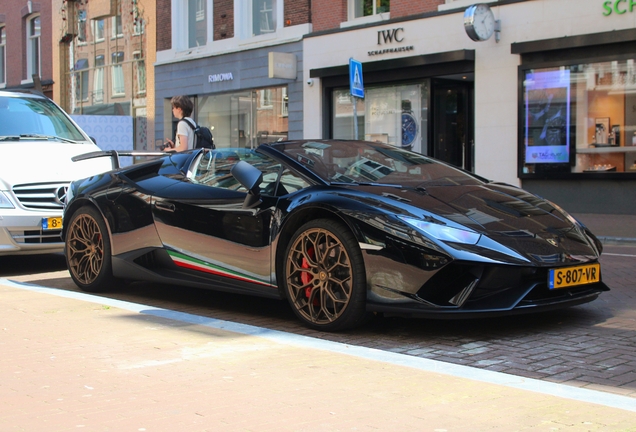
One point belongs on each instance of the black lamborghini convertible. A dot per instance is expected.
(340, 229)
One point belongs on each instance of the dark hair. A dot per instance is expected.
(184, 103)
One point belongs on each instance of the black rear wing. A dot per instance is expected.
(116, 154)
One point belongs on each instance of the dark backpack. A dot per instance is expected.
(203, 135)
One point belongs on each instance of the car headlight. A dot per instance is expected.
(4, 201)
(443, 232)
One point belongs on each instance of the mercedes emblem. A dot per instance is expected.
(60, 194)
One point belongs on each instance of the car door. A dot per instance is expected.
(205, 227)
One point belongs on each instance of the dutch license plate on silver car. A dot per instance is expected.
(52, 223)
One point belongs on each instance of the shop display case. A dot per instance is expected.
(580, 119)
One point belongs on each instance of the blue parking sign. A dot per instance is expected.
(355, 78)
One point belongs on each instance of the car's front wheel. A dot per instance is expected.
(325, 279)
(87, 251)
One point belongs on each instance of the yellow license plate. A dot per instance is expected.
(572, 276)
(52, 223)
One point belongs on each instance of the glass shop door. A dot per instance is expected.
(452, 134)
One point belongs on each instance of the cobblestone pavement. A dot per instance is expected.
(591, 346)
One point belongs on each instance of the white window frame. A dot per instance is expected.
(353, 20)
(94, 25)
(3, 56)
(113, 30)
(32, 40)
(243, 19)
(139, 27)
(117, 71)
(82, 31)
(180, 40)
(140, 61)
(81, 78)
(98, 80)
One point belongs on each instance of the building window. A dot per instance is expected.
(98, 80)
(363, 8)
(579, 118)
(119, 87)
(140, 68)
(138, 21)
(3, 44)
(81, 79)
(117, 29)
(263, 17)
(81, 26)
(33, 47)
(265, 98)
(197, 23)
(98, 30)
(284, 103)
(139, 26)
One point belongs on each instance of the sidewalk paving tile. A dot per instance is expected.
(70, 364)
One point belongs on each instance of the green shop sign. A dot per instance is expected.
(618, 6)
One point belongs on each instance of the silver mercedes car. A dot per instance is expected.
(37, 141)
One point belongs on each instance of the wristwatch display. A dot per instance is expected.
(409, 125)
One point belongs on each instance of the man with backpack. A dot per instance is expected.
(189, 134)
(182, 109)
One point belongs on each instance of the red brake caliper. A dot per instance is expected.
(96, 239)
(306, 277)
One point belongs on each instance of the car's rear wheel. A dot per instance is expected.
(87, 251)
(324, 278)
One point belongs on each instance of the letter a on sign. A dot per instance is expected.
(355, 78)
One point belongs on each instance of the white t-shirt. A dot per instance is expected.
(184, 129)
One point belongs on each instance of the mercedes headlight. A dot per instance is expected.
(4, 201)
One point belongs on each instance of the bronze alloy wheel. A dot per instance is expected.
(87, 250)
(323, 286)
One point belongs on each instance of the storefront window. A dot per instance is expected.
(245, 119)
(395, 115)
(579, 119)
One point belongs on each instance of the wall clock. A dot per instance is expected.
(479, 22)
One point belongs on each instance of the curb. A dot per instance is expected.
(625, 241)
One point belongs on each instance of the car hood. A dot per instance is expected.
(38, 162)
(517, 219)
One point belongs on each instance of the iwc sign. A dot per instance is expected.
(391, 36)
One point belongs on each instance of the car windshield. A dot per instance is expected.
(22, 115)
(368, 162)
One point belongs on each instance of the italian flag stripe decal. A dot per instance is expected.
(196, 264)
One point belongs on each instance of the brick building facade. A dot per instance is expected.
(27, 30)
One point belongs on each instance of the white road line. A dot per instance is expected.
(621, 255)
(554, 389)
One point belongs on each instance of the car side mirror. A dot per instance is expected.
(250, 178)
